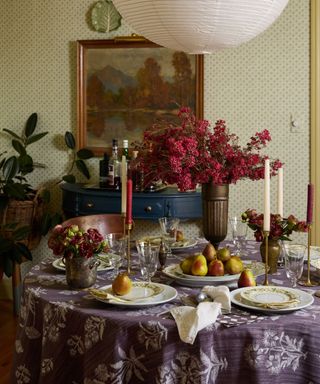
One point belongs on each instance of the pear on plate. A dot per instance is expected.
(179, 236)
(186, 264)
(209, 252)
(216, 268)
(223, 254)
(122, 284)
(246, 279)
(199, 266)
(234, 265)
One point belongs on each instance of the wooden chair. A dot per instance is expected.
(104, 223)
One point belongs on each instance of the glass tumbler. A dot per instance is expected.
(293, 261)
(148, 259)
(169, 227)
(118, 245)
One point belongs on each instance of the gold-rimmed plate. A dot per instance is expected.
(107, 261)
(142, 294)
(272, 305)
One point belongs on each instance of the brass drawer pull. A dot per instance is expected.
(89, 205)
(148, 209)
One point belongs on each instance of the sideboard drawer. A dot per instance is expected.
(89, 205)
(148, 208)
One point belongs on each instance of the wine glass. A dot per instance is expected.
(148, 259)
(293, 261)
(117, 243)
(239, 231)
(169, 226)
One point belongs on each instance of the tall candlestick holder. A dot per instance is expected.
(124, 224)
(308, 282)
(129, 228)
(266, 257)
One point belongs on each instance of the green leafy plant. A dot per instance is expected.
(15, 186)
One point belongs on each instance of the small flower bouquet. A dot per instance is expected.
(280, 228)
(73, 242)
(191, 153)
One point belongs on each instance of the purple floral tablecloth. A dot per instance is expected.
(66, 336)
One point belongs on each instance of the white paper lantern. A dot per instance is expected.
(200, 26)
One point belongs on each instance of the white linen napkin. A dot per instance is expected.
(191, 320)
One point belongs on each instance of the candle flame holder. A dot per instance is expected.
(129, 228)
(308, 282)
(266, 261)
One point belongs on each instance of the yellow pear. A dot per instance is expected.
(209, 252)
(223, 254)
(199, 266)
(234, 265)
(122, 284)
(186, 264)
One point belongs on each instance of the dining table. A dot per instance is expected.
(68, 336)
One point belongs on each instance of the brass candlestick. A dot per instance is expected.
(129, 228)
(308, 282)
(124, 223)
(266, 260)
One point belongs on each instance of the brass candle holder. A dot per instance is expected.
(308, 282)
(266, 261)
(129, 228)
(124, 223)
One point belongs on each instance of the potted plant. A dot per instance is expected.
(24, 215)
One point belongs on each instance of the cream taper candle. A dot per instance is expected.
(280, 192)
(123, 185)
(266, 219)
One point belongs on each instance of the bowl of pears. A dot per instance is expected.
(210, 267)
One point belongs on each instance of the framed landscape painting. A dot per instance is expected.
(127, 84)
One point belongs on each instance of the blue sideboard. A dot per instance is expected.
(79, 200)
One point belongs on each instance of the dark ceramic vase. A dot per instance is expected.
(215, 201)
(274, 250)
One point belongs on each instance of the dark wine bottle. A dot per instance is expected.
(104, 171)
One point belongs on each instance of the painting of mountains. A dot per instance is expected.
(128, 88)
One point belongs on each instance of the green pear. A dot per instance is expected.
(199, 266)
(223, 254)
(209, 252)
(234, 265)
(246, 279)
(186, 264)
(216, 268)
(122, 284)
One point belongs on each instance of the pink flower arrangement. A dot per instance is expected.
(280, 228)
(190, 153)
(71, 241)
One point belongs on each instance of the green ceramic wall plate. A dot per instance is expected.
(105, 17)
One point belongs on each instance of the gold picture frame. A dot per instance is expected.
(127, 84)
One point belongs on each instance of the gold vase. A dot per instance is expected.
(274, 250)
(215, 199)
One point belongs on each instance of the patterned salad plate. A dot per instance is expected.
(271, 298)
(106, 262)
(178, 245)
(142, 294)
(174, 271)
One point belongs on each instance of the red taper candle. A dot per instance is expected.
(129, 202)
(310, 203)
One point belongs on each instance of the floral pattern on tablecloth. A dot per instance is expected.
(102, 343)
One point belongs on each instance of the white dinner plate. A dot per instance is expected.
(142, 294)
(304, 298)
(104, 258)
(174, 271)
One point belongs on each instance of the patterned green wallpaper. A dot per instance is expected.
(255, 86)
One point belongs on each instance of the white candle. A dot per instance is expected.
(280, 192)
(123, 185)
(266, 220)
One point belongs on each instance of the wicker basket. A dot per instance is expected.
(26, 212)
